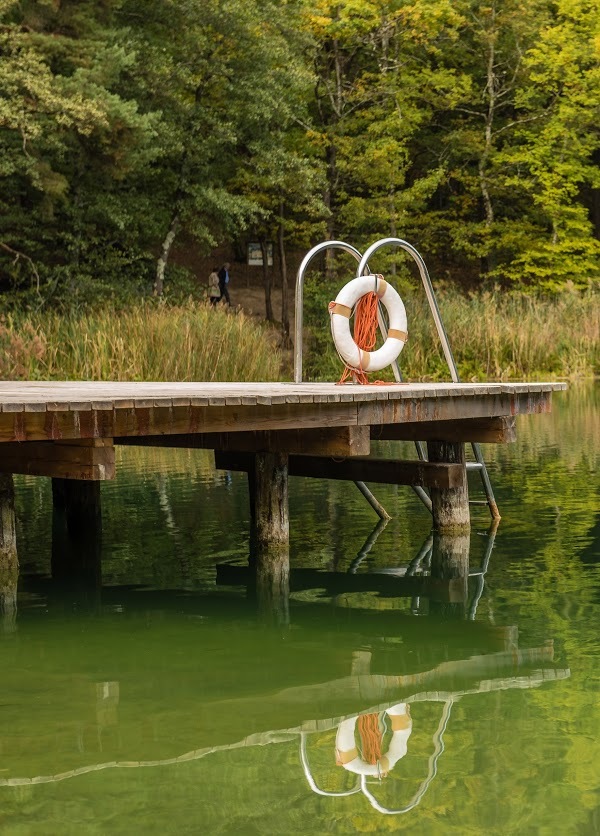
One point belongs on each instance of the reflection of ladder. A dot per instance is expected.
(421, 565)
(363, 269)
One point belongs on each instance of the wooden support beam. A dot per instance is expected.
(102, 419)
(320, 441)
(450, 504)
(87, 459)
(384, 471)
(495, 430)
(9, 561)
(418, 410)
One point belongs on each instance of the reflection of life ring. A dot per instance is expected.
(341, 310)
(372, 761)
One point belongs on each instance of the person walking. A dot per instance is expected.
(214, 290)
(224, 282)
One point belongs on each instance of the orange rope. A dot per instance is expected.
(365, 333)
(370, 736)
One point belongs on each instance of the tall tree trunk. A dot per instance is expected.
(329, 200)
(337, 102)
(267, 281)
(393, 227)
(488, 262)
(161, 266)
(285, 313)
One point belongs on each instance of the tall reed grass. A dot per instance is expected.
(146, 342)
(507, 336)
(493, 335)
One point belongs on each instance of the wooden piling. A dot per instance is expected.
(79, 501)
(271, 520)
(77, 537)
(450, 505)
(9, 561)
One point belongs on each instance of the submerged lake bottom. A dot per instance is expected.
(148, 694)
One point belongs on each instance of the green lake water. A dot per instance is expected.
(156, 700)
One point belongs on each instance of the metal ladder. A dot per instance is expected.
(363, 269)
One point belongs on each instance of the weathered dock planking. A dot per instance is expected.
(80, 396)
(61, 411)
(68, 431)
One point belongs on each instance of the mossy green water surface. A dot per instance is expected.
(159, 702)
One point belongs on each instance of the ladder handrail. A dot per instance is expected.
(362, 269)
(437, 318)
(429, 292)
(299, 295)
(298, 329)
(298, 349)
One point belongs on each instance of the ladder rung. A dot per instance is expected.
(478, 502)
(474, 465)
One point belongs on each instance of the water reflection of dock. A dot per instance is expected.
(378, 662)
(362, 692)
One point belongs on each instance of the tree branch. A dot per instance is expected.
(17, 257)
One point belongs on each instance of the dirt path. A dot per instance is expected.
(252, 301)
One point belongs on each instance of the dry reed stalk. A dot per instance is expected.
(144, 343)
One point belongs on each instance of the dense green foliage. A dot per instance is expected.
(469, 128)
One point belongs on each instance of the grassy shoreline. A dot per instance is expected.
(147, 342)
(494, 336)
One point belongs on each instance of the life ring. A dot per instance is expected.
(341, 310)
(379, 764)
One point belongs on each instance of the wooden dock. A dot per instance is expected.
(68, 431)
(246, 417)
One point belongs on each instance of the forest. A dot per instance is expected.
(468, 127)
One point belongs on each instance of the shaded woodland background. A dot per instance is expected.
(128, 129)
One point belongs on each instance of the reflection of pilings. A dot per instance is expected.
(79, 501)
(450, 562)
(367, 545)
(9, 561)
(272, 549)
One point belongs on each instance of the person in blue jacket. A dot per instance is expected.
(224, 282)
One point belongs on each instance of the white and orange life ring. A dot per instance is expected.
(341, 311)
(347, 754)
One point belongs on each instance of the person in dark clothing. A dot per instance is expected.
(224, 282)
